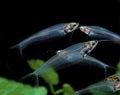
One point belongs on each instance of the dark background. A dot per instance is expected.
(19, 22)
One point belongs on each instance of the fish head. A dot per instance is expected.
(70, 27)
(89, 46)
(85, 29)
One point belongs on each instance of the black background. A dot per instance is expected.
(19, 22)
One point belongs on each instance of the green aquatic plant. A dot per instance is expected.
(67, 89)
(10, 87)
(51, 78)
(118, 67)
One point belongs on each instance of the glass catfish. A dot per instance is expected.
(107, 87)
(101, 88)
(71, 55)
(100, 33)
(74, 54)
(52, 33)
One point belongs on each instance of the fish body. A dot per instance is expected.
(72, 55)
(69, 56)
(49, 34)
(101, 87)
(108, 86)
(100, 33)
(75, 54)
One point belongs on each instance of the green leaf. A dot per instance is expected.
(118, 67)
(67, 89)
(9, 87)
(35, 64)
(42, 90)
(50, 75)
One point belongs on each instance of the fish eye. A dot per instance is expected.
(93, 43)
(74, 24)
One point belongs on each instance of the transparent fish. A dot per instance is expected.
(63, 58)
(114, 78)
(93, 61)
(100, 33)
(101, 88)
(52, 33)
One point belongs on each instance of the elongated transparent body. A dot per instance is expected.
(100, 33)
(75, 54)
(105, 88)
(69, 56)
(52, 33)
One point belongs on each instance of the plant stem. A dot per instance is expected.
(59, 91)
(52, 89)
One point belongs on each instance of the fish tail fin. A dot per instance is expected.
(35, 76)
(21, 50)
(98, 63)
(19, 47)
(105, 72)
(105, 69)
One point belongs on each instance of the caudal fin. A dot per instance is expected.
(19, 47)
(106, 69)
(98, 63)
(29, 76)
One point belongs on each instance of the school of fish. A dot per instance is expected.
(75, 54)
